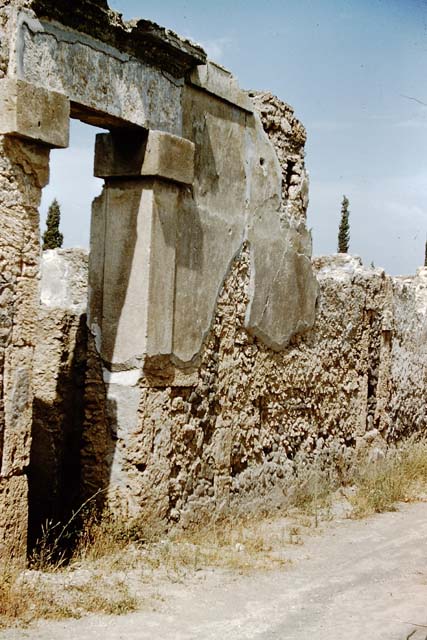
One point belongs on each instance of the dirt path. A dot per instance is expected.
(355, 580)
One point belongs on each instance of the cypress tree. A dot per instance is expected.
(425, 254)
(52, 237)
(344, 228)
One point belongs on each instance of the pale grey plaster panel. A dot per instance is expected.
(96, 75)
(139, 271)
(127, 248)
(212, 217)
(237, 198)
(283, 289)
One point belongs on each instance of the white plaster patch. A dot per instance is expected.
(53, 281)
(123, 378)
(63, 282)
(421, 291)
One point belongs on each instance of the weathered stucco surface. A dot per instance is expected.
(173, 248)
(190, 204)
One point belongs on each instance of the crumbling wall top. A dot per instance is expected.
(142, 39)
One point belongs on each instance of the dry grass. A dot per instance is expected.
(313, 489)
(31, 595)
(114, 560)
(240, 544)
(401, 475)
(374, 485)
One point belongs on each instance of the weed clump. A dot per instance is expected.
(397, 476)
(32, 595)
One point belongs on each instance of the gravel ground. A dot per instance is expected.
(351, 580)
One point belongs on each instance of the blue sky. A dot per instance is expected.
(355, 73)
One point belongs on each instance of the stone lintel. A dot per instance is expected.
(34, 113)
(140, 39)
(221, 83)
(136, 153)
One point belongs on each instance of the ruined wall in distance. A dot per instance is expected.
(288, 136)
(403, 379)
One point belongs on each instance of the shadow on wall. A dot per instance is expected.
(54, 471)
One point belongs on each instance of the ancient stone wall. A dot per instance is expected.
(288, 136)
(23, 172)
(234, 434)
(207, 368)
(231, 434)
(59, 368)
(152, 334)
(40, 86)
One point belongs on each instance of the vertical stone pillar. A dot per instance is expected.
(137, 220)
(31, 122)
(131, 283)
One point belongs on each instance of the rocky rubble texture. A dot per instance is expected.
(357, 379)
(404, 358)
(288, 136)
(23, 172)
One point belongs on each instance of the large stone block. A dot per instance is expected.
(136, 153)
(34, 113)
(170, 157)
(214, 79)
(139, 276)
(106, 86)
